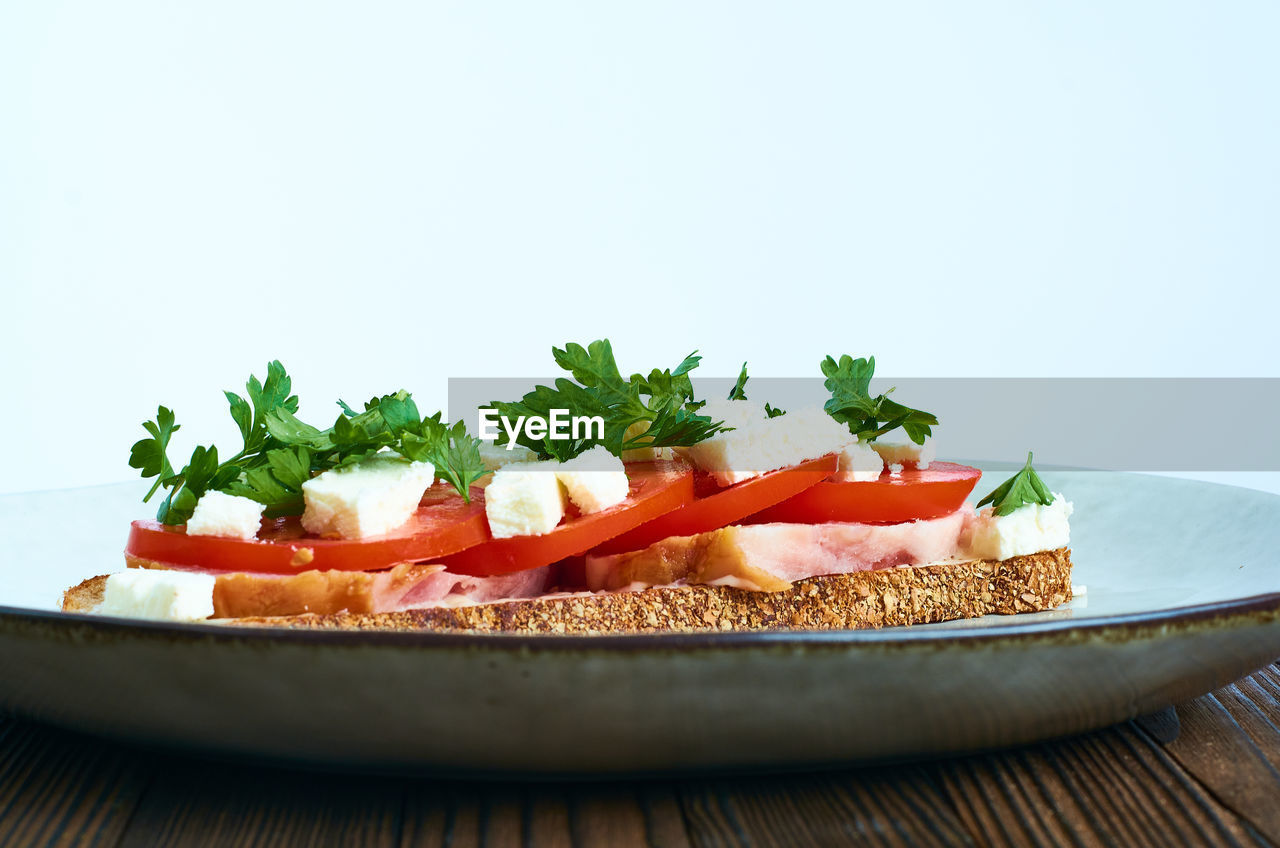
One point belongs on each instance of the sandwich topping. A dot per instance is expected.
(389, 509)
(1024, 517)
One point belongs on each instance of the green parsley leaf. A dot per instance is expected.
(668, 389)
(271, 393)
(595, 368)
(278, 484)
(266, 398)
(738, 392)
(150, 455)
(454, 452)
(849, 381)
(291, 467)
(663, 401)
(1021, 489)
(288, 429)
(773, 411)
(242, 414)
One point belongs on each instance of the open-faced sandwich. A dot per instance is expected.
(600, 504)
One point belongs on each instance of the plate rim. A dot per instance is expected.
(1263, 607)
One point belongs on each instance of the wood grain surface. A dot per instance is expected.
(1204, 773)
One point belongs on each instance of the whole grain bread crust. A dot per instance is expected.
(865, 599)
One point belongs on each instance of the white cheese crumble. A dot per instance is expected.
(768, 444)
(909, 453)
(732, 413)
(859, 463)
(594, 480)
(158, 594)
(220, 514)
(370, 498)
(525, 499)
(1030, 529)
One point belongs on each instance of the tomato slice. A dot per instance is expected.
(657, 488)
(914, 494)
(718, 507)
(444, 524)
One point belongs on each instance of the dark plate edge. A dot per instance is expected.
(1260, 607)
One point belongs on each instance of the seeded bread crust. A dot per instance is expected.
(84, 596)
(866, 599)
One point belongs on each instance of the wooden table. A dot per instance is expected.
(1203, 774)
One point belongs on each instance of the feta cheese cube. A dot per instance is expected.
(158, 594)
(859, 463)
(594, 480)
(769, 444)
(220, 514)
(525, 499)
(909, 453)
(1030, 529)
(370, 498)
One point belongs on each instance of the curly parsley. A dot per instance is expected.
(280, 452)
(662, 403)
(851, 403)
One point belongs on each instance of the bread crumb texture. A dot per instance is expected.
(868, 599)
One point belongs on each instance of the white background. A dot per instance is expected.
(386, 195)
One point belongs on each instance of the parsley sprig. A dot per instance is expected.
(851, 403)
(739, 392)
(203, 471)
(280, 452)
(1021, 489)
(663, 401)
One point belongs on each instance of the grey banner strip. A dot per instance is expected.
(1121, 424)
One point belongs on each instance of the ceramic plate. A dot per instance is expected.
(1183, 595)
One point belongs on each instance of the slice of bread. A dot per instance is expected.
(885, 597)
(85, 596)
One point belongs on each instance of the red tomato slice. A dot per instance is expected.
(938, 490)
(444, 524)
(657, 488)
(718, 507)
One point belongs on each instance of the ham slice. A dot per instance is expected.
(443, 588)
(404, 587)
(239, 594)
(770, 557)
